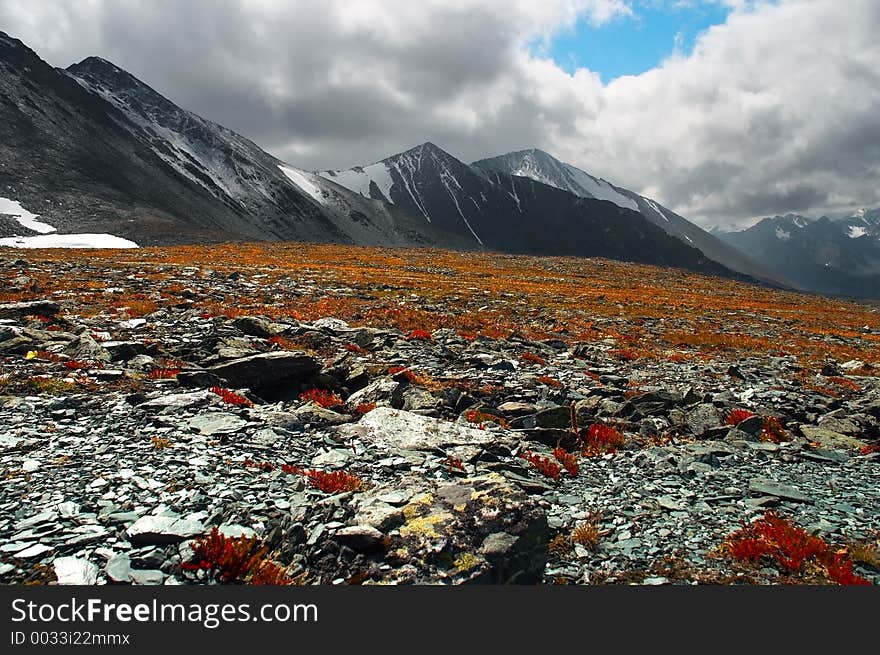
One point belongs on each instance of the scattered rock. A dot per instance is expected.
(75, 571)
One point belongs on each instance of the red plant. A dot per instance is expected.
(354, 348)
(600, 440)
(870, 449)
(568, 460)
(476, 416)
(772, 430)
(263, 466)
(282, 343)
(534, 359)
(454, 463)
(843, 382)
(75, 365)
(322, 397)
(737, 416)
(231, 397)
(364, 408)
(624, 354)
(551, 382)
(332, 482)
(791, 547)
(419, 335)
(235, 560)
(545, 465)
(163, 373)
(410, 377)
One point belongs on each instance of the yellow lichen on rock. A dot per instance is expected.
(466, 562)
(424, 526)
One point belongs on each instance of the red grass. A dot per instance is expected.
(568, 460)
(365, 408)
(411, 377)
(75, 365)
(545, 465)
(846, 384)
(454, 463)
(282, 343)
(737, 416)
(791, 547)
(624, 354)
(332, 482)
(480, 418)
(235, 560)
(322, 397)
(600, 440)
(163, 373)
(772, 430)
(550, 382)
(419, 335)
(231, 397)
(534, 359)
(354, 348)
(870, 449)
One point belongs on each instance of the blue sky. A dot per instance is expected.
(634, 44)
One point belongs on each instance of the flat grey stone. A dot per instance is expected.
(147, 577)
(75, 571)
(159, 530)
(771, 488)
(215, 423)
(360, 538)
(118, 568)
(402, 430)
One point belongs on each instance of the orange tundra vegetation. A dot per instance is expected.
(649, 312)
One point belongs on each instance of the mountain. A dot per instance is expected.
(515, 214)
(91, 154)
(839, 257)
(864, 222)
(92, 148)
(540, 166)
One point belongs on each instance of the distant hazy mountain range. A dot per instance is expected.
(833, 256)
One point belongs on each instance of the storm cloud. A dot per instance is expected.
(776, 110)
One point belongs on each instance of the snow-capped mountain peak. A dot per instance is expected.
(546, 169)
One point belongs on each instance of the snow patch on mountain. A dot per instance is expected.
(304, 182)
(24, 218)
(857, 232)
(657, 209)
(600, 189)
(782, 235)
(69, 241)
(358, 179)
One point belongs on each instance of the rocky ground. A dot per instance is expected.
(123, 439)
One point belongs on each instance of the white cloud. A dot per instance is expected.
(773, 111)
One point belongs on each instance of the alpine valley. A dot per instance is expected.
(217, 367)
(103, 159)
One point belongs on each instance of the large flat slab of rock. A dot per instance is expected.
(766, 487)
(830, 439)
(401, 430)
(160, 530)
(267, 371)
(21, 309)
(480, 530)
(75, 571)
